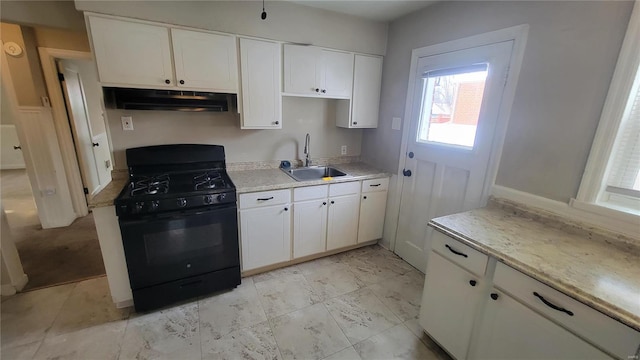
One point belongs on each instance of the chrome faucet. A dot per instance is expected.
(307, 150)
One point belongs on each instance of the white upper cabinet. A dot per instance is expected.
(365, 101)
(261, 74)
(205, 60)
(130, 53)
(311, 71)
(133, 54)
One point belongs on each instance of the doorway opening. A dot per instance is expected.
(55, 249)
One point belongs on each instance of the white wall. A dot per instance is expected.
(285, 21)
(299, 116)
(570, 57)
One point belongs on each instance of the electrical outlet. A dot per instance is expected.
(127, 123)
(343, 150)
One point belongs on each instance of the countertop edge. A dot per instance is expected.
(298, 184)
(605, 308)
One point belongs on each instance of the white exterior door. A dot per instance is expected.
(78, 111)
(456, 102)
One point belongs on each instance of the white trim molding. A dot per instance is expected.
(608, 219)
(597, 169)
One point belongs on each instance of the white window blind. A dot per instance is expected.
(624, 176)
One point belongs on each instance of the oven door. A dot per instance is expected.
(175, 246)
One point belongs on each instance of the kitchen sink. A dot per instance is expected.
(313, 173)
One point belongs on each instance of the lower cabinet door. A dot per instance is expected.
(309, 227)
(342, 229)
(449, 303)
(265, 235)
(510, 330)
(372, 208)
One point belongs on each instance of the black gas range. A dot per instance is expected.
(179, 226)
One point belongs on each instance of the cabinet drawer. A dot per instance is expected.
(310, 192)
(461, 254)
(264, 198)
(344, 188)
(597, 328)
(375, 185)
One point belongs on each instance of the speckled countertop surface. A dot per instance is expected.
(252, 180)
(274, 179)
(596, 268)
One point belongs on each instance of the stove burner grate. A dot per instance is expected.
(208, 180)
(150, 185)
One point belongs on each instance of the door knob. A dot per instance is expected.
(406, 172)
(96, 144)
(410, 154)
(17, 147)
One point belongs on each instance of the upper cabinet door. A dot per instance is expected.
(302, 70)
(261, 73)
(205, 61)
(337, 74)
(129, 53)
(367, 79)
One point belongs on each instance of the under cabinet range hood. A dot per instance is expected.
(174, 100)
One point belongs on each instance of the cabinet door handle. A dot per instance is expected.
(365, 197)
(494, 296)
(167, 81)
(375, 185)
(333, 202)
(317, 90)
(324, 91)
(553, 306)
(181, 82)
(324, 203)
(265, 199)
(96, 144)
(286, 209)
(455, 252)
(355, 123)
(406, 172)
(17, 147)
(472, 282)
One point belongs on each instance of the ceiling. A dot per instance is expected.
(379, 10)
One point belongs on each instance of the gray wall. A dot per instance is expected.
(568, 64)
(285, 21)
(300, 116)
(52, 13)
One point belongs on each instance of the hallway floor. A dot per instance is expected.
(362, 304)
(49, 256)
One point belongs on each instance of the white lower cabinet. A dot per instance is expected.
(342, 227)
(478, 308)
(451, 295)
(310, 220)
(265, 228)
(372, 209)
(510, 330)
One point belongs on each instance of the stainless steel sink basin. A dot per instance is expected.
(313, 173)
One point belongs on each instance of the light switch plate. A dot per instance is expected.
(127, 123)
(396, 123)
(343, 150)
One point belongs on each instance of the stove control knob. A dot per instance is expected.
(221, 197)
(208, 199)
(154, 205)
(182, 202)
(137, 208)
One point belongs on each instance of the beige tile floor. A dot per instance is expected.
(362, 304)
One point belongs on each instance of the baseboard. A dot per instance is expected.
(123, 304)
(618, 226)
(7, 290)
(22, 282)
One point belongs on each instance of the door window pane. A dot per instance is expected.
(451, 101)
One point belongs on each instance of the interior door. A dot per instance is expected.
(92, 149)
(456, 102)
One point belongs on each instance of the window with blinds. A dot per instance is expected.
(623, 180)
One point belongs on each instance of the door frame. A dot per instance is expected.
(48, 57)
(519, 36)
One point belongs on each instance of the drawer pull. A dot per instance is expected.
(375, 185)
(265, 199)
(554, 307)
(455, 252)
